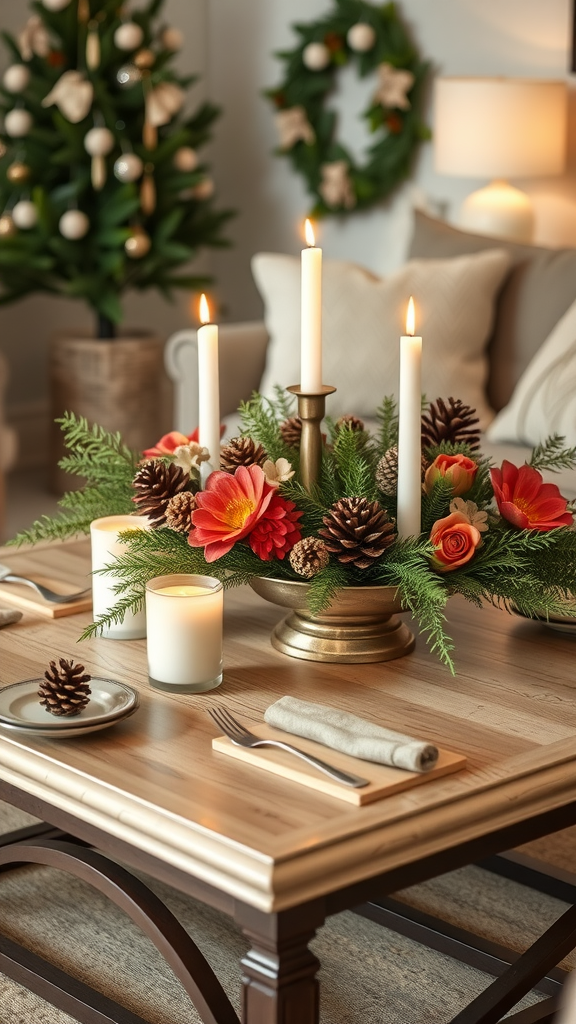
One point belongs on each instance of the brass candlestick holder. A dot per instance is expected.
(311, 410)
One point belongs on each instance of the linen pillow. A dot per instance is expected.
(363, 318)
(538, 290)
(544, 400)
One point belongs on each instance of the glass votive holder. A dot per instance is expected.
(106, 546)
(184, 628)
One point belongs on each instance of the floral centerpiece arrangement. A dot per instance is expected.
(495, 534)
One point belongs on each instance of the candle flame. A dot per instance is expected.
(309, 233)
(204, 310)
(410, 317)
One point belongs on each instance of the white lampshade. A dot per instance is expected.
(500, 127)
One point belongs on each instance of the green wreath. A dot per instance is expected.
(375, 39)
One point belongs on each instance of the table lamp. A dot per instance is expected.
(500, 128)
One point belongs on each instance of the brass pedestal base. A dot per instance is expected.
(359, 626)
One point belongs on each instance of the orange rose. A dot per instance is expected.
(459, 470)
(455, 540)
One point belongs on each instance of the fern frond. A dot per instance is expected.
(552, 455)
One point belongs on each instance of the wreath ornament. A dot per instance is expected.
(375, 39)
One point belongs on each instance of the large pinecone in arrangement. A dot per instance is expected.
(452, 421)
(357, 531)
(351, 422)
(291, 431)
(242, 451)
(179, 512)
(64, 689)
(155, 483)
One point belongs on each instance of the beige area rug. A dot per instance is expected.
(369, 975)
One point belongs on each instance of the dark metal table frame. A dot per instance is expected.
(279, 971)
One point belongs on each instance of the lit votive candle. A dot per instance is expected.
(184, 626)
(106, 546)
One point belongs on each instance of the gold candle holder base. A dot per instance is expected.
(359, 626)
(311, 410)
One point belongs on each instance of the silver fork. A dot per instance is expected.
(243, 738)
(7, 576)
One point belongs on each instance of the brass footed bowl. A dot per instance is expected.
(360, 625)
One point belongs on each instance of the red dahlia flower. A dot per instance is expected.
(277, 531)
(229, 509)
(525, 501)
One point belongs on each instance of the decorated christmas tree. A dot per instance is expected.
(102, 188)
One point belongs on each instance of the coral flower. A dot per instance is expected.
(455, 540)
(168, 444)
(277, 531)
(229, 509)
(458, 470)
(525, 501)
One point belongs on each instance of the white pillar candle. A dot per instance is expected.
(311, 314)
(208, 391)
(409, 511)
(184, 626)
(105, 548)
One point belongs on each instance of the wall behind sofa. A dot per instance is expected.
(231, 43)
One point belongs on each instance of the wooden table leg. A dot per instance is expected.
(279, 984)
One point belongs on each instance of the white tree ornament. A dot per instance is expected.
(73, 95)
(293, 126)
(55, 5)
(336, 188)
(128, 167)
(163, 102)
(25, 215)
(361, 37)
(73, 224)
(17, 123)
(316, 56)
(128, 36)
(393, 86)
(98, 141)
(34, 38)
(16, 78)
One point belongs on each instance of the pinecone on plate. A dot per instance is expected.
(291, 431)
(156, 482)
(357, 531)
(242, 451)
(179, 511)
(64, 689)
(309, 556)
(452, 421)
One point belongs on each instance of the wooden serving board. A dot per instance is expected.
(18, 595)
(383, 780)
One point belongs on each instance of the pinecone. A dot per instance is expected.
(241, 451)
(352, 422)
(64, 689)
(179, 510)
(291, 430)
(357, 531)
(453, 422)
(155, 483)
(387, 471)
(309, 556)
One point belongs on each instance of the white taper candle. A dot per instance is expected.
(311, 314)
(208, 391)
(409, 431)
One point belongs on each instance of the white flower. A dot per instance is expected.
(277, 472)
(189, 456)
(473, 515)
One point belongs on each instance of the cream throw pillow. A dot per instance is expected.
(363, 318)
(544, 399)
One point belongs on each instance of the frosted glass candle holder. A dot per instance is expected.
(184, 628)
(105, 548)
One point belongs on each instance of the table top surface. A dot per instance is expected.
(154, 780)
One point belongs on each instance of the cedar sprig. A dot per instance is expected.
(436, 505)
(387, 416)
(553, 455)
(261, 418)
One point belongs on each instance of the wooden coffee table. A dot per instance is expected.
(276, 857)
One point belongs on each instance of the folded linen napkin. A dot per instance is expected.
(6, 617)
(350, 734)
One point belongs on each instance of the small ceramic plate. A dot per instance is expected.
(561, 623)
(62, 731)
(20, 707)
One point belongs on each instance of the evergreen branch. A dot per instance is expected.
(552, 455)
(436, 505)
(387, 415)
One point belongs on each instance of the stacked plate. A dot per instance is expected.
(561, 623)
(21, 711)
